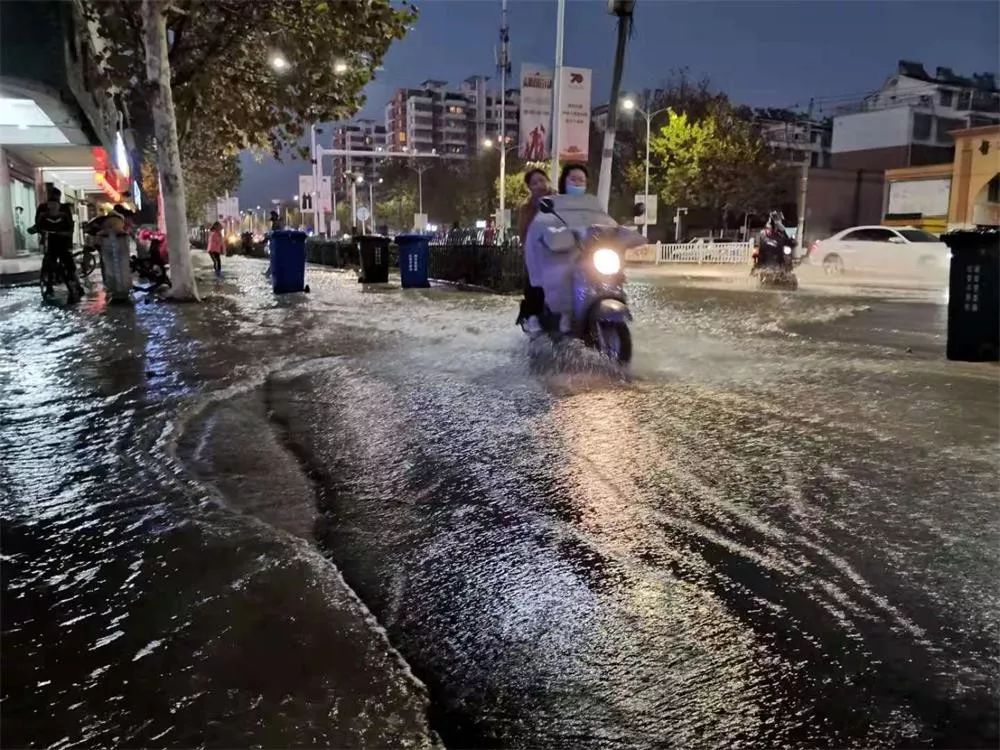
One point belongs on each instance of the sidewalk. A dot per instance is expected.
(24, 269)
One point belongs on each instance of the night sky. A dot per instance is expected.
(763, 54)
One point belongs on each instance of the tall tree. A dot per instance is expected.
(168, 156)
(709, 155)
(246, 75)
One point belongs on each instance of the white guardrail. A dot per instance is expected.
(708, 252)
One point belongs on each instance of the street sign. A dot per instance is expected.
(420, 222)
(650, 204)
(363, 214)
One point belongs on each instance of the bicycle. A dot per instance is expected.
(55, 271)
(88, 261)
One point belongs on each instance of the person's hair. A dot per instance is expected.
(53, 193)
(564, 173)
(216, 225)
(532, 172)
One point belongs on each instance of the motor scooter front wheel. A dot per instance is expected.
(612, 339)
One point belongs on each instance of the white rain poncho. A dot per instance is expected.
(552, 270)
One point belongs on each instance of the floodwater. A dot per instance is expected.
(369, 517)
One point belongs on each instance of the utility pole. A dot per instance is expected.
(557, 88)
(677, 223)
(317, 162)
(504, 70)
(800, 233)
(314, 159)
(623, 9)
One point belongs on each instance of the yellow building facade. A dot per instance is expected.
(940, 197)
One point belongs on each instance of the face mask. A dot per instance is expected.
(575, 190)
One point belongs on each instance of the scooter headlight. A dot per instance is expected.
(607, 261)
(788, 250)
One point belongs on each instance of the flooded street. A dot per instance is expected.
(370, 517)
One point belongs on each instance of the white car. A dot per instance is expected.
(880, 249)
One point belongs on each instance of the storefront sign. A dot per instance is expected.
(534, 142)
(109, 180)
(574, 117)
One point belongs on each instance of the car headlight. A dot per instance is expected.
(607, 261)
(788, 250)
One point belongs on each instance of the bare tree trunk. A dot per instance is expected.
(168, 156)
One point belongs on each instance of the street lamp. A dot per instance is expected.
(487, 143)
(279, 62)
(340, 67)
(629, 105)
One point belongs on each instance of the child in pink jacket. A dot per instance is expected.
(216, 246)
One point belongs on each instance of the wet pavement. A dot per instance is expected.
(369, 517)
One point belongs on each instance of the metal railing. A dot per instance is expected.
(707, 252)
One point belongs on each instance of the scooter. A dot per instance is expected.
(774, 263)
(600, 315)
(152, 265)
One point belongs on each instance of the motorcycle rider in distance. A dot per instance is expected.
(772, 236)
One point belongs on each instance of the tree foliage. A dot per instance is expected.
(221, 55)
(704, 152)
(228, 96)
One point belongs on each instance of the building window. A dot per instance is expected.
(964, 100)
(946, 98)
(945, 125)
(922, 127)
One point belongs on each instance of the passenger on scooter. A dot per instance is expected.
(533, 304)
(553, 269)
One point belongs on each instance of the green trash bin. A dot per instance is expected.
(974, 295)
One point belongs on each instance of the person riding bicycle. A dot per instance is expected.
(54, 221)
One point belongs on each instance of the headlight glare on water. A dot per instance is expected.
(607, 261)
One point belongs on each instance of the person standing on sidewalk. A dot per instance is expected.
(215, 247)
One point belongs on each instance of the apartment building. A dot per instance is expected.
(908, 121)
(360, 135)
(454, 123)
(795, 138)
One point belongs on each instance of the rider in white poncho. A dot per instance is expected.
(553, 269)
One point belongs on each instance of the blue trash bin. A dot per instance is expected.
(414, 256)
(288, 261)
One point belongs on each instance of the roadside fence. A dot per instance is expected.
(707, 252)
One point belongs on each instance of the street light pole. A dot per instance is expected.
(645, 190)
(557, 88)
(630, 105)
(314, 157)
(504, 65)
(371, 204)
(804, 183)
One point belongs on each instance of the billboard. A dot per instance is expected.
(306, 196)
(536, 113)
(574, 115)
(308, 199)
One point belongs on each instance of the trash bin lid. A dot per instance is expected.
(291, 233)
(412, 237)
